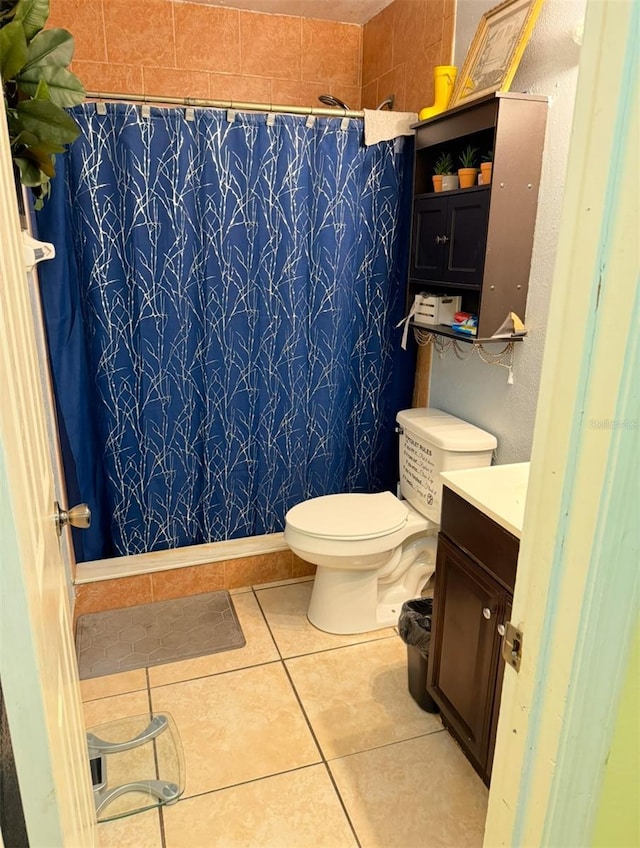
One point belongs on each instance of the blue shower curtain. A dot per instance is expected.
(221, 319)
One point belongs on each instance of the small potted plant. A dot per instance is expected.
(37, 87)
(468, 171)
(442, 168)
(486, 165)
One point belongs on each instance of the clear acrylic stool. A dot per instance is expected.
(136, 763)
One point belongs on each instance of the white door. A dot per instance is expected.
(37, 660)
(576, 593)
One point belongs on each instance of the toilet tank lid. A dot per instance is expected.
(445, 431)
(349, 516)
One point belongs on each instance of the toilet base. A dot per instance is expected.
(357, 601)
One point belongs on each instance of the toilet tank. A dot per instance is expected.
(432, 441)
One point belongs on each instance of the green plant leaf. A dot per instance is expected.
(29, 140)
(30, 173)
(42, 91)
(47, 121)
(40, 194)
(13, 50)
(24, 138)
(42, 158)
(51, 47)
(65, 89)
(33, 15)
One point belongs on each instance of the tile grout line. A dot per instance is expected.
(163, 843)
(324, 759)
(339, 647)
(387, 745)
(216, 673)
(249, 781)
(205, 676)
(267, 625)
(342, 804)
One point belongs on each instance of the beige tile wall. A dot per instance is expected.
(186, 49)
(400, 48)
(192, 580)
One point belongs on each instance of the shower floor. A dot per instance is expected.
(147, 635)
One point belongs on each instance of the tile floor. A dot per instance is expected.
(300, 739)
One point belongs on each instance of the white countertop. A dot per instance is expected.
(499, 491)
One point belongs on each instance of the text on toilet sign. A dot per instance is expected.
(419, 470)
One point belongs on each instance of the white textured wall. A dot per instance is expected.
(470, 389)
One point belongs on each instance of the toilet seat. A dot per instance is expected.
(349, 517)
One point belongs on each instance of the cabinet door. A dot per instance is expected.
(467, 221)
(449, 238)
(465, 648)
(428, 238)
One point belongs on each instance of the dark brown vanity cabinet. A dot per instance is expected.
(477, 242)
(475, 574)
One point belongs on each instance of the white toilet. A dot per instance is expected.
(373, 552)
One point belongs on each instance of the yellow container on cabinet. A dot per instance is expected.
(444, 81)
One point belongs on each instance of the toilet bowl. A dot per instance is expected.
(373, 552)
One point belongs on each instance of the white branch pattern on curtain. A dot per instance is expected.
(239, 285)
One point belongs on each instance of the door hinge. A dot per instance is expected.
(512, 645)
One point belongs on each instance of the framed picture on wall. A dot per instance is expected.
(496, 50)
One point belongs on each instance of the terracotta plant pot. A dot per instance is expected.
(437, 182)
(468, 177)
(485, 170)
(449, 182)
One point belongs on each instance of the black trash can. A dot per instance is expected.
(414, 626)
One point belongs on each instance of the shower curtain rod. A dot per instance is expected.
(241, 106)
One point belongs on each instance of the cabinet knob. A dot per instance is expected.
(442, 239)
(501, 629)
(486, 612)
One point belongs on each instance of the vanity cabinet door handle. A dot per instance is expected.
(486, 612)
(501, 629)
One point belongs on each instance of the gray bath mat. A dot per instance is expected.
(151, 634)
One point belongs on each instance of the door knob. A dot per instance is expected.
(78, 516)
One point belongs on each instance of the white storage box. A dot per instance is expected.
(434, 309)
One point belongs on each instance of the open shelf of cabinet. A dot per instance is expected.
(477, 242)
(446, 330)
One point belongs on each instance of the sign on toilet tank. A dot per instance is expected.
(420, 469)
(432, 441)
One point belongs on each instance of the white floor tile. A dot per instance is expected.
(237, 726)
(299, 809)
(285, 609)
(420, 792)
(357, 698)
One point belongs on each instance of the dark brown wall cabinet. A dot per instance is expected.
(477, 242)
(450, 236)
(475, 574)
